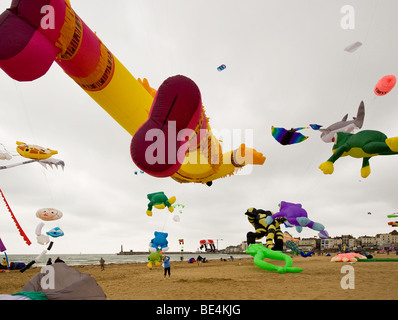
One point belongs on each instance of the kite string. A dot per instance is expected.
(165, 222)
(21, 232)
(360, 53)
(49, 188)
(24, 109)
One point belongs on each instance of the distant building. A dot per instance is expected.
(308, 244)
(236, 249)
(327, 244)
(241, 248)
(367, 242)
(385, 241)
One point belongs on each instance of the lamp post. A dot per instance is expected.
(217, 242)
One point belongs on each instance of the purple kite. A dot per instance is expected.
(2, 246)
(297, 216)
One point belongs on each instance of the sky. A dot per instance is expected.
(286, 67)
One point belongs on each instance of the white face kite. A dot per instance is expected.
(49, 214)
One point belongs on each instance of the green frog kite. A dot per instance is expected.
(259, 252)
(364, 144)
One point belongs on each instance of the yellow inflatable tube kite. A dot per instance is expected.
(44, 31)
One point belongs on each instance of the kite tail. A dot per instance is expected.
(21, 232)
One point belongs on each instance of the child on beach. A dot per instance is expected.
(166, 266)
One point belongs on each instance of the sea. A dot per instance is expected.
(93, 259)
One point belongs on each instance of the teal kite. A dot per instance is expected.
(291, 245)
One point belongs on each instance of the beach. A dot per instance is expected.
(239, 279)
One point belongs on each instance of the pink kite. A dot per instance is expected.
(385, 85)
(347, 257)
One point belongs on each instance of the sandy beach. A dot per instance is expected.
(235, 280)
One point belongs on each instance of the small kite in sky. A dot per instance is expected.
(353, 47)
(32, 151)
(286, 137)
(222, 67)
(315, 126)
(385, 85)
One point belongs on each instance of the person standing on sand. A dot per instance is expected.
(166, 266)
(102, 263)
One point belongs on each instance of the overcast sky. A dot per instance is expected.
(286, 66)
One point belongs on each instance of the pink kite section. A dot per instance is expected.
(347, 257)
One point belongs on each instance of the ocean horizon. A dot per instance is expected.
(93, 259)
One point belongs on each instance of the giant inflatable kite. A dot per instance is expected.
(298, 217)
(207, 242)
(347, 257)
(34, 34)
(272, 230)
(364, 144)
(45, 214)
(328, 134)
(34, 153)
(259, 252)
(159, 242)
(160, 201)
(155, 258)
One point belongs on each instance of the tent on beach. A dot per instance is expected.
(68, 284)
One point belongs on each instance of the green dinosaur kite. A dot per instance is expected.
(364, 144)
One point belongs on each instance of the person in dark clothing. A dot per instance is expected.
(58, 260)
(166, 266)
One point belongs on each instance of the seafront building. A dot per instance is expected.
(382, 241)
